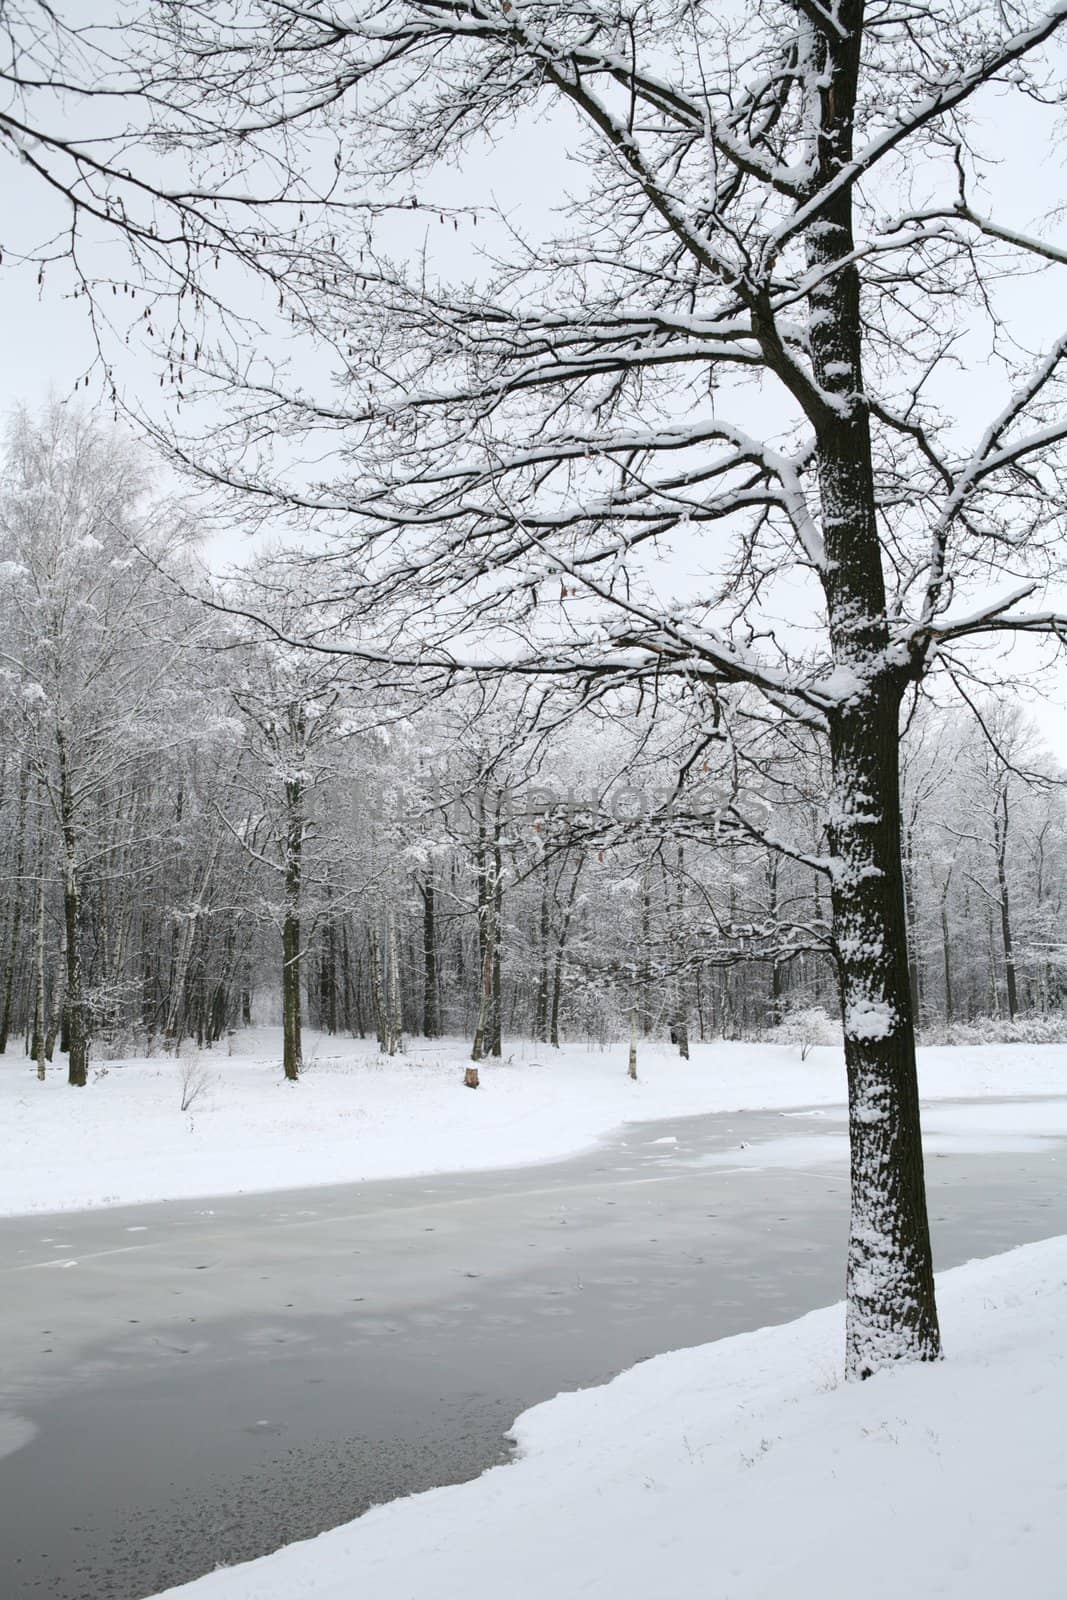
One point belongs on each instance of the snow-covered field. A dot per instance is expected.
(355, 1115)
(742, 1470)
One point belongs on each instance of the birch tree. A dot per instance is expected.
(81, 609)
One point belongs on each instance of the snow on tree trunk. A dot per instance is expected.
(16, 912)
(890, 1284)
(497, 913)
(891, 1308)
(1000, 836)
(396, 1013)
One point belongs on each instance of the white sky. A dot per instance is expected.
(47, 346)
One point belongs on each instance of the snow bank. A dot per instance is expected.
(355, 1115)
(743, 1470)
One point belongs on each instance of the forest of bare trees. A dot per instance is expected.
(198, 822)
(632, 642)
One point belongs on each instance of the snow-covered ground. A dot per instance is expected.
(355, 1115)
(743, 1470)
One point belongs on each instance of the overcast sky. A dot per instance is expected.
(47, 345)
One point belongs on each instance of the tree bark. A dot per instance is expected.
(485, 1001)
(561, 948)
(891, 1313)
(16, 911)
(78, 1046)
(291, 955)
(1000, 824)
(381, 1021)
(396, 1013)
(914, 970)
(328, 969)
(431, 1017)
(497, 912)
(946, 958)
(544, 930)
(39, 1020)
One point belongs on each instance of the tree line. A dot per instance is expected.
(202, 825)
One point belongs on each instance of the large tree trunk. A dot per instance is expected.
(891, 1313)
(891, 1308)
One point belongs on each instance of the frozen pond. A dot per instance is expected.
(197, 1382)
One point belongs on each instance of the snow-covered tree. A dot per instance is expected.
(87, 652)
(742, 345)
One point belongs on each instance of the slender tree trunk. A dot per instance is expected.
(679, 1020)
(39, 1020)
(561, 948)
(946, 948)
(485, 934)
(328, 969)
(485, 1003)
(775, 1007)
(1001, 837)
(497, 912)
(431, 1019)
(646, 953)
(396, 1015)
(78, 1048)
(914, 970)
(946, 956)
(817, 962)
(16, 910)
(58, 1019)
(891, 1313)
(291, 954)
(544, 930)
(381, 1021)
(346, 979)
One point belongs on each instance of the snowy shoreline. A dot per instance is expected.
(746, 1470)
(356, 1116)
